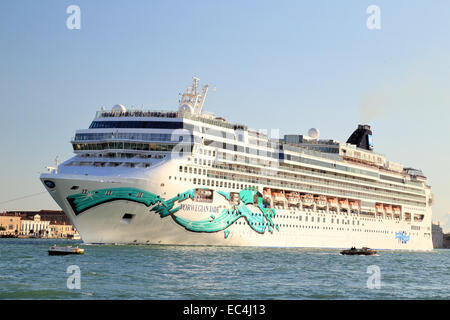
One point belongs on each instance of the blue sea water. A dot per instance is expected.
(185, 272)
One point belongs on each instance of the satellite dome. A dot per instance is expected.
(314, 133)
(119, 108)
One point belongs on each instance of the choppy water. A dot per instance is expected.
(183, 272)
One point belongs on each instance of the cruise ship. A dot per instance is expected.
(189, 177)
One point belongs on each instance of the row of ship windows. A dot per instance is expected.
(210, 183)
(175, 137)
(282, 184)
(119, 145)
(291, 167)
(283, 176)
(301, 226)
(119, 155)
(301, 159)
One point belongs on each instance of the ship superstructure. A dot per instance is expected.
(190, 177)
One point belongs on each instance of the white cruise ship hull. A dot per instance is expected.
(127, 221)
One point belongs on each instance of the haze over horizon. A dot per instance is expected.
(287, 65)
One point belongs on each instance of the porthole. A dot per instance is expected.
(50, 184)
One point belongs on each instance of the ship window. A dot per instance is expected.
(181, 169)
(126, 218)
(49, 184)
(203, 195)
(234, 198)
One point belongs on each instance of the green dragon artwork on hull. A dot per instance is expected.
(259, 221)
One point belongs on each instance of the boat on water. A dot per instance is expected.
(189, 177)
(364, 251)
(62, 251)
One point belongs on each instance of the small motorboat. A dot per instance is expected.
(364, 251)
(62, 251)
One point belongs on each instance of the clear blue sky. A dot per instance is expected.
(290, 65)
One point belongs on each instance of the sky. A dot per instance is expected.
(287, 65)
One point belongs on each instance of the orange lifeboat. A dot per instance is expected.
(307, 199)
(321, 201)
(343, 203)
(354, 204)
(332, 202)
(293, 197)
(388, 208)
(379, 207)
(278, 196)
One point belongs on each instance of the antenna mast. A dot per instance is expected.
(192, 100)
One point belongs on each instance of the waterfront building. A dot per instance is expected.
(62, 231)
(35, 226)
(10, 225)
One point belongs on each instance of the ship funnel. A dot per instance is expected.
(362, 137)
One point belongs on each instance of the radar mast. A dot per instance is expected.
(192, 100)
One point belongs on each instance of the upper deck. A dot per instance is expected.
(144, 128)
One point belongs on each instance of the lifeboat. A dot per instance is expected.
(388, 208)
(293, 198)
(321, 201)
(354, 204)
(396, 210)
(278, 196)
(332, 202)
(343, 203)
(379, 207)
(307, 199)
